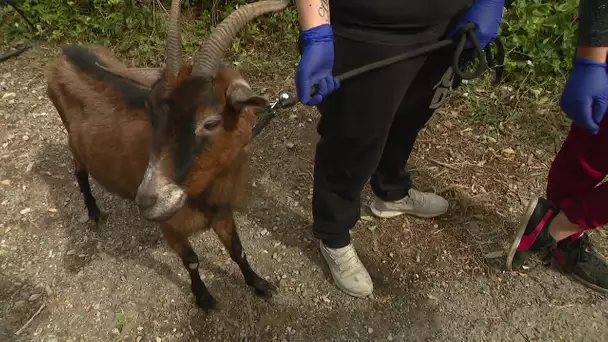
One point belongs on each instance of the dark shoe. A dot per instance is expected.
(581, 260)
(533, 233)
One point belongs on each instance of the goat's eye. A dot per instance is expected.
(211, 124)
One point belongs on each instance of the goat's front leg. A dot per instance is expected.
(225, 228)
(180, 244)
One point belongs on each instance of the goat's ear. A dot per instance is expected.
(239, 95)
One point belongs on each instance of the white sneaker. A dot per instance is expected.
(347, 270)
(417, 203)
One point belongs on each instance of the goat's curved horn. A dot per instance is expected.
(211, 51)
(174, 39)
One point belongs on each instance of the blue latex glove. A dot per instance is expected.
(316, 64)
(487, 16)
(585, 96)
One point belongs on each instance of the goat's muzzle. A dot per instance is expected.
(157, 198)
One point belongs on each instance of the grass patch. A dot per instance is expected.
(526, 112)
(136, 30)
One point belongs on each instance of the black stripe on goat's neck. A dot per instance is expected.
(87, 61)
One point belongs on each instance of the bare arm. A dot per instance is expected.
(313, 13)
(593, 53)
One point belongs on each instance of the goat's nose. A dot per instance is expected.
(146, 200)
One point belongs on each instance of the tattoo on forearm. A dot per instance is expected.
(324, 9)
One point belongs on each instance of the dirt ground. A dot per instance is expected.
(435, 280)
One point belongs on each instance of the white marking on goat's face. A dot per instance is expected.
(157, 197)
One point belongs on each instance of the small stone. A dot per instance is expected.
(290, 145)
(370, 330)
(52, 210)
(140, 328)
(508, 151)
(158, 339)
(138, 339)
(25, 138)
(19, 304)
(275, 256)
(71, 252)
(6, 182)
(264, 232)
(25, 211)
(390, 337)
(115, 331)
(7, 95)
(84, 218)
(34, 297)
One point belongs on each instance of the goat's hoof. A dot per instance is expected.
(100, 219)
(95, 219)
(206, 302)
(263, 288)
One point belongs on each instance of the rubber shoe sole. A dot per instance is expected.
(563, 270)
(523, 223)
(394, 213)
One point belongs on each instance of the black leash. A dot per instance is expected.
(486, 61)
(19, 49)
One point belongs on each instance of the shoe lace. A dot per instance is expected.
(415, 197)
(345, 260)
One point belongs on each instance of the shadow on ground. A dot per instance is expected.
(125, 236)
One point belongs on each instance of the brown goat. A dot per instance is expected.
(172, 140)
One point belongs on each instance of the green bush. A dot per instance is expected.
(135, 28)
(539, 35)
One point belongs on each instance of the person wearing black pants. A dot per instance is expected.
(370, 123)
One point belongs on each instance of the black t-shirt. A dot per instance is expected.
(395, 22)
